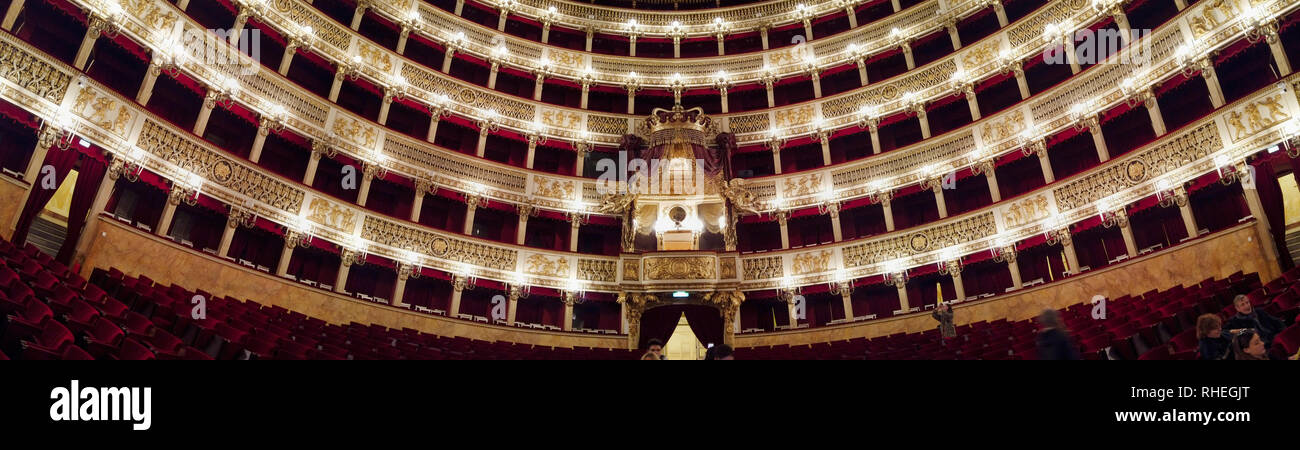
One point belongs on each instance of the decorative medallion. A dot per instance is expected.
(919, 242)
(439, 247)
(467, 97)
(222, 171)
(1136, 171)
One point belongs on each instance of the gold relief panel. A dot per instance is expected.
(792, 55)
(811, 262)
(727, 268)
(570, 60)
(539, 264)
(981, 54)
(103, 111)
(631, 270)
(795, 117)
(680, 268)
(154, 15)
(1256, 116)
(1025, 212)
(763, 268)
(378, 58)
(353, 130)
(597, 270)
(329, 214)
(1003, 128)
(556, 189)
(804, 185)
(564, 120)
(1211, 15)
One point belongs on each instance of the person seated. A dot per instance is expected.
(1213, 344)
(1250, 318)
(1248, 346)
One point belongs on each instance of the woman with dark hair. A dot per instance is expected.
(1248, 346)
(720, 352)
(1054, 342)
(1213, 343)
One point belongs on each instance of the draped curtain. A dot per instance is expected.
(62, 162)
(705, 322)
(1270, 197)
(83, 195)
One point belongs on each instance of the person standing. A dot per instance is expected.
(1054, 342)
(943, 314)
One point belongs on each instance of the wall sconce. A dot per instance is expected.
(1004, 251)
(298, 232)
(111, 23)
(185, 188)
(896, 273)
(301, 37)
(1058, 232)
(788, 290)
(1170, 196)
(842, 284)
(490, 121)
(1112, 218)
(869, 116)
(950, 262)
(1191, 61)
(1259, 26)
(354, 252)
(410, 267)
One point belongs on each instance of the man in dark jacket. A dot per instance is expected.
(1053, 342)
(1250, 318)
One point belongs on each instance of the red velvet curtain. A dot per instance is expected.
(88, 179)
(705, 322)
(658, 323)
(1270, 197)
(62, 161)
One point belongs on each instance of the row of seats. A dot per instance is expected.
(52, 313)
(1154, 325)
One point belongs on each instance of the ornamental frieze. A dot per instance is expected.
(333, 215)
(1189, 146)
(1211, 15)
(215, 167)
(811, 262)
(599, 270)
(1256, 116)
(1025, 211)
(20, 66)
(680, 268)
(539, 264)
(103, 110)
(763, 268)
(354, 130)
(448, 248)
